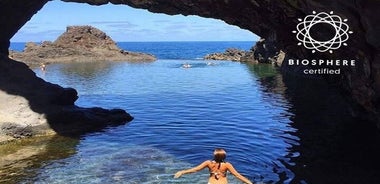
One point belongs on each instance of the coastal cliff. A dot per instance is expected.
(276, 21)
(271, 20)
(263, 52)
(79, 44)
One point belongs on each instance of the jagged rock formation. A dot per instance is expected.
(30, 106)
(80, 44)
(275, 20)
(270, 19)
(262, 52)
(231, 54)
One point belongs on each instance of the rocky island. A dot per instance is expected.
(79, 44)
(36, 107)
(263, 52)
(24, 95)
(232, 54)
(272, 20)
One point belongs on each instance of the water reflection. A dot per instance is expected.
(333, 147)
(273, 88)
(87, 70)
(271, 81)
(218, 106)
(276, 129)
(19, 159)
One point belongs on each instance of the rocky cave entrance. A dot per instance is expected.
(276, 19)
(271, 20)
(48, 109)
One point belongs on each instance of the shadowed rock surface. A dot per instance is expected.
(263, 52)
(31, 106)
(79, 44)
(275, 20)
(272, 20)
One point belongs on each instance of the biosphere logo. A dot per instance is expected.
(306, 27)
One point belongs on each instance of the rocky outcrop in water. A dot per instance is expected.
(262, 52)
(270, 19)
(265, 51)
(30, 106)
(231, 54)
(80, 44)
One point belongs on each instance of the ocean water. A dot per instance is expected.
(183, 114)
(172, 50)
(183, 50)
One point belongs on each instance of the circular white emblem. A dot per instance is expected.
(339, 26)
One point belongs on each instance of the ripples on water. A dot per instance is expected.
(181, 115)
(301, 133)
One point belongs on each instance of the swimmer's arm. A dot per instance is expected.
(194, 169)
(236, 174)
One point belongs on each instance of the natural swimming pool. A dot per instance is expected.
(274, 130)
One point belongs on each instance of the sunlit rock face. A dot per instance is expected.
(78, 43)
(270, 19)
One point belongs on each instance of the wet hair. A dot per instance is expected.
(219, 156)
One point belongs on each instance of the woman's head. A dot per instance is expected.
(219, 155)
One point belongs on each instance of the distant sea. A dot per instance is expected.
(173, 50)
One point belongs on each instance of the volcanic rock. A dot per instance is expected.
(30, 106)
(230, 54)
(80, 44)
(270, 19)
(264, 51)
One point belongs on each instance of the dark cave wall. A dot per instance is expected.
(270, 19)
(13, 15)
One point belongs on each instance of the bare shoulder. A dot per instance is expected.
(228, 165)
(207, 162)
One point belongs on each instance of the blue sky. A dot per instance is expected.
(123, 23)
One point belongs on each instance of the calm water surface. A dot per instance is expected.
(275, 128)
(181, 115)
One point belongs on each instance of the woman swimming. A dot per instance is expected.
(218, 169)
